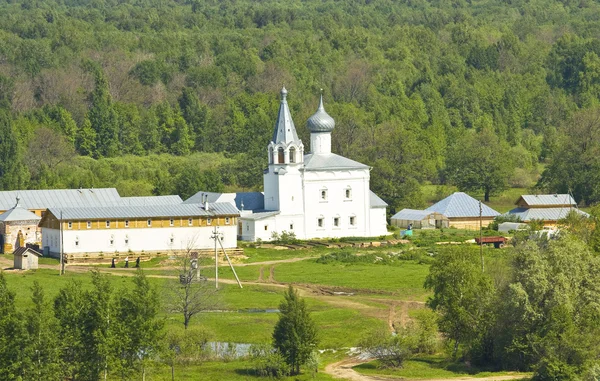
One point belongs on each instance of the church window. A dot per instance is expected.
(336, 222)
(292, 155)
(247, 227)
(280, 156)
(323, 194)
(70, 225)
(171, 222)
(108, 224)
(126, 223)
(112, 242)
(171, 240)
(190, 222)
(320, 222)
(291, 226)
(149, 223)
(126, 241)
(76, 243)
(352, 220)
(209, 221)
(266, 227)
(227, 220)
(348, 193)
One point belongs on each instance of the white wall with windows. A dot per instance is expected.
(123, 240)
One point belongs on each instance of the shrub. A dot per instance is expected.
(391, 351)
(267, 362)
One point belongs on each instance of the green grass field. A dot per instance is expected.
(241, 315)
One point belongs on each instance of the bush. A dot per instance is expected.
(391, 351)
(422, 332)
(267, 362)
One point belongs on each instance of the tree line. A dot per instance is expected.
(482, 94)
(535, 311)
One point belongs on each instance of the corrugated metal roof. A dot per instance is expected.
(46, 198)
(146, 211)
(460, 204)
(376, 202)
(411, 215)
(260, 215)
(548, 199)
(18, 213)
(151, 200)
(546, 214)
(329, 161)
(19, 251)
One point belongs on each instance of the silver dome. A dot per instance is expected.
(320, 121)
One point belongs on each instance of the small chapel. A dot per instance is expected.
(314, 195)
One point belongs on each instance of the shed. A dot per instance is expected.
(462, 211)
(26, 258)
(420, 219)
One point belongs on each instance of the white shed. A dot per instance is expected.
(26, 258)
(420, 219)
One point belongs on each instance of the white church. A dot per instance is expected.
(314, 195)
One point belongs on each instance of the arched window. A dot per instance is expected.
(292, 155)
(280, 156)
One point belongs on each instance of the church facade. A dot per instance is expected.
(314, 195)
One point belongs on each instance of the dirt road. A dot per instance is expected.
(343, 370)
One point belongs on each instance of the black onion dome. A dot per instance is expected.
(320, 121)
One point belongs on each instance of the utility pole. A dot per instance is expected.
(215, 236)
(480, 242)
(62, 262)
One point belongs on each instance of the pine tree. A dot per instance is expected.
(104, 118)
(295, 334)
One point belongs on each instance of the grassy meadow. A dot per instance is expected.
(368, 288)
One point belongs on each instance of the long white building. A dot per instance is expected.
(314, 195)
(139, 228)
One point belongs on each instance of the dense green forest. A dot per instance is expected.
(157, 96)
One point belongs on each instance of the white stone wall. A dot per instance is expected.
(336, 204)
(378, 222)
(136, 240)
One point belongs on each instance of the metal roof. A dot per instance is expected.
(18, 213)
(146, 211)
(460, 204)
(548, 199)
(285, 131)
(151, 200)
(411, 215)
(260, 215)
(19, 251)
(251, 200)
(329, 161)
(546, 214)
(46, 198)
(375, 201)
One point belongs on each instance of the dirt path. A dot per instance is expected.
(343, 370)
(272, 274)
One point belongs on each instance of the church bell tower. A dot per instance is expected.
(282, 179)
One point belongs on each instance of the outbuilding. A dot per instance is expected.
(464, 212)
(419, 219)
(25, 258)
